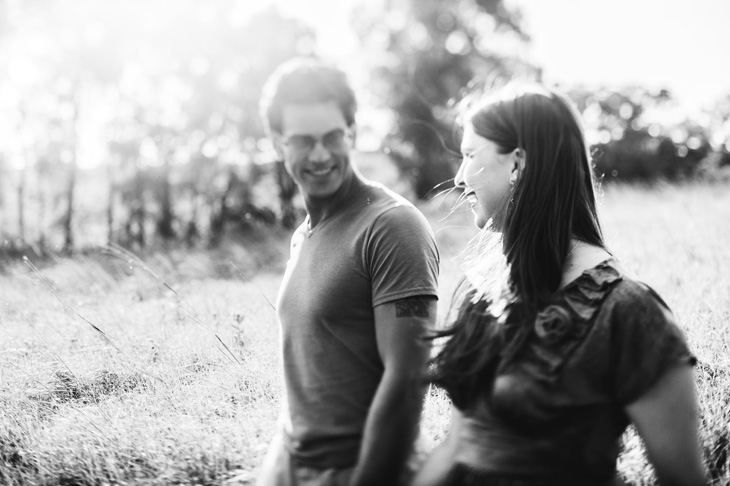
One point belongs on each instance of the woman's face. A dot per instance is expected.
(484, 175)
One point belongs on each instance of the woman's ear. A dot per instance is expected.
(518, 155)
(518, 164)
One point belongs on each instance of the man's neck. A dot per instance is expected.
(320, 209)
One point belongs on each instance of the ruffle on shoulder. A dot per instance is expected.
(562, 325)
(584, 295)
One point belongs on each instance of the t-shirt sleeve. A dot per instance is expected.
(647, 342)
(401, 256)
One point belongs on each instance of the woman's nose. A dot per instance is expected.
(459, 177)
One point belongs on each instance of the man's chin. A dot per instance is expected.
(322, 192)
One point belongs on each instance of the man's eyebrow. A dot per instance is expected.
(299, 134)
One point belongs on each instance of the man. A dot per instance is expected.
(358, 294)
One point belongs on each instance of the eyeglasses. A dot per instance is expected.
(332, 140)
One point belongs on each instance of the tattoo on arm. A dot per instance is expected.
(412, 307)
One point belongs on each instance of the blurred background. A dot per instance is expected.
(136, 122)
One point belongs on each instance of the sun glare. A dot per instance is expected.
(127, 45)
(91, 38)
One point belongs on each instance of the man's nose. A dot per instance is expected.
(319, 152)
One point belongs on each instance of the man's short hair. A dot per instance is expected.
(304, 80)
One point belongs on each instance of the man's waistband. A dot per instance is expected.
(322, 453)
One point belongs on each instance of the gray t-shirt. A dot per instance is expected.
(375, 249)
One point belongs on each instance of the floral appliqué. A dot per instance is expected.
(572, 316)
(553, 324)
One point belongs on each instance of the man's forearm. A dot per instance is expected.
(390, 430)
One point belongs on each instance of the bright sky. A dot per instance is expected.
(680, 45)
(656, 43)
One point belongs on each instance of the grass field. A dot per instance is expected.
(116, 370)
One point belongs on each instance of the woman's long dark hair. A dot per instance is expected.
(552, 202)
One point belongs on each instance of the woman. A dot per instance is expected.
(554, 350)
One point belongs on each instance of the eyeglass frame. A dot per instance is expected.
(313, 140)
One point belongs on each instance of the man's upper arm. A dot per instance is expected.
(401, 256)
(400, 328)
(403, 263)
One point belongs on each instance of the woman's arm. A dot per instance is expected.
(667, 420)
(439, 462)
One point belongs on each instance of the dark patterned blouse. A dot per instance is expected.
(557, 408)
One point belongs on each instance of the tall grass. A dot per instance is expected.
(159, 401)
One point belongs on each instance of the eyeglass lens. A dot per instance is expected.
(331, 140)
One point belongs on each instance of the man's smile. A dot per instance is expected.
(320, 171)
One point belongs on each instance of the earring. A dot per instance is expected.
(513, 178)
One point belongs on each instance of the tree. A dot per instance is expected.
(637, 133)
(427, 55)
(180, 97)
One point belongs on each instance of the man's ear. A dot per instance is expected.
(353, 134)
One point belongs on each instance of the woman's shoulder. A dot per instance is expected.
(631, 294)
(615, 302)
(639, 321)
(586, 294)
(646, 338)
(610, 278)
(583, 257)
(615, 326)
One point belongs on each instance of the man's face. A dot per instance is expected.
(315, 143)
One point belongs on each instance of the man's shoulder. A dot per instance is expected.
(299, 233)
(388, 207)
(386, 193)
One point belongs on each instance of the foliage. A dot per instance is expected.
(164, 99)
(425, 56)
(137, 122)
(639, 134)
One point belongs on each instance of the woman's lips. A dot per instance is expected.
(472, 198)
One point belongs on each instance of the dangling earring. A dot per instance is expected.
(513, 178)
